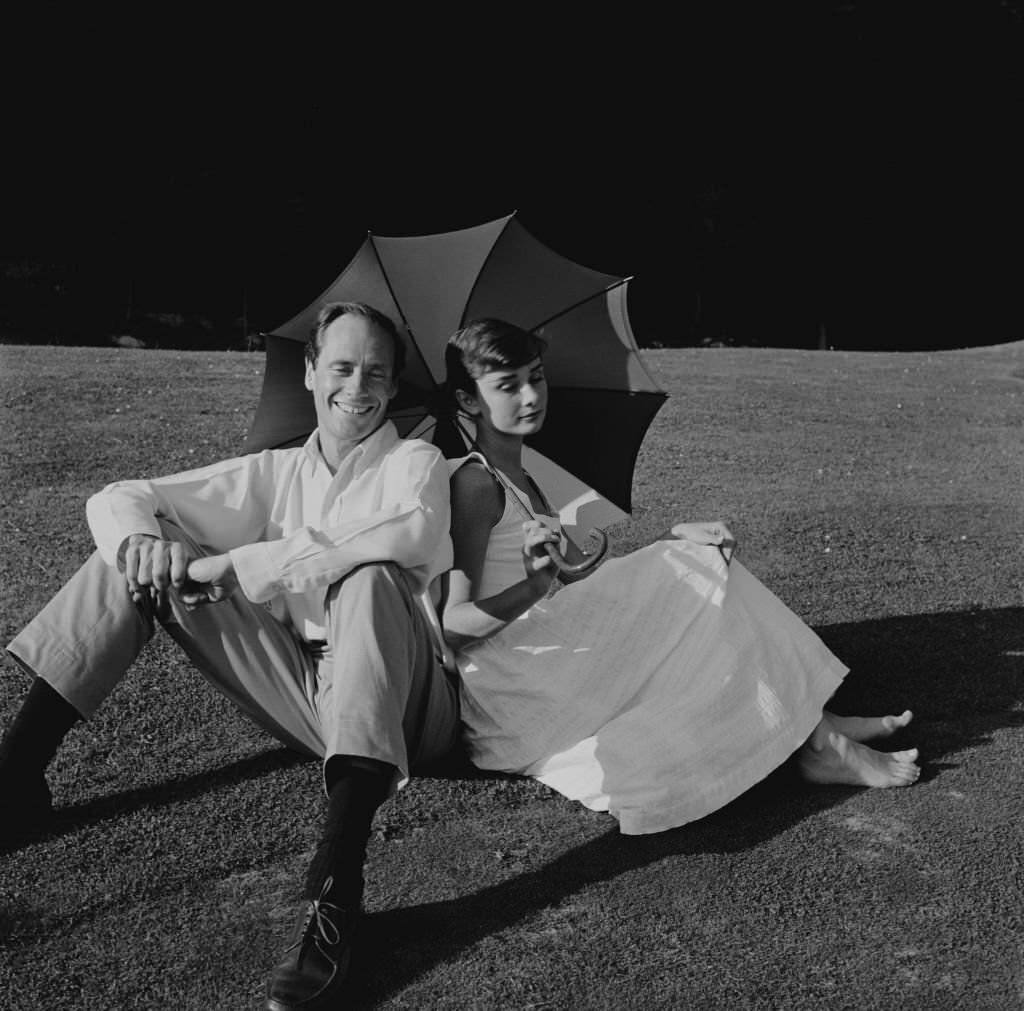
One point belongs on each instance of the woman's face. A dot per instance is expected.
(513, 401)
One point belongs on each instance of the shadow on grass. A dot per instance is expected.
(76, 816)
(961, 672)
(402, 944)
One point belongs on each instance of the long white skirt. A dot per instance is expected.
(659, 688)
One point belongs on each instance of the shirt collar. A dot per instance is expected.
(370, 449)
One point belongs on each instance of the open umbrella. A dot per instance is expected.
(601, 398)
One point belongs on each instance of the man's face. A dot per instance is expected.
(352, 384)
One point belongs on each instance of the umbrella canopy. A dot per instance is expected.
(601, 398)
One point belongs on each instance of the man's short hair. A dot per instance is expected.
(334, 310)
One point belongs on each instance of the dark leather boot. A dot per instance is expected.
(315, 964)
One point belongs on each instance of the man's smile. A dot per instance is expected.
(354, 408)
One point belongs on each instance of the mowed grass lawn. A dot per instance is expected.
(880, 495)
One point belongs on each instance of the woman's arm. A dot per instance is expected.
(477, 506)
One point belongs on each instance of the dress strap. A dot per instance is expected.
(510, 490)
(475, 456)
(480, 458)
(515, 496)
(549, 509)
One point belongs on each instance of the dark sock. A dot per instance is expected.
(355, 791)
(36, 732)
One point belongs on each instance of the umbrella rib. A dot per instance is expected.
(409, 412)
(583, 301)
(483, 267)
(464, 431)
(608, 389)
(405, 322)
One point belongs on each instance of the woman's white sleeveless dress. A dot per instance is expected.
(659, 688)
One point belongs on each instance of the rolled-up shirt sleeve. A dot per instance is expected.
(223, 505)
(291, 527)
(406, 522)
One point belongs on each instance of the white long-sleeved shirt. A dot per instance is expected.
(291, 527)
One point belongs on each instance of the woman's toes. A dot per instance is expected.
(905, 756)
(894, 723)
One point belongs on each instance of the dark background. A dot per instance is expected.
(789, 174)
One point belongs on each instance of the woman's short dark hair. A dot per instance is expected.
(334, 310)
(485, 345)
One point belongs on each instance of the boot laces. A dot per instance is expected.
(319, 923)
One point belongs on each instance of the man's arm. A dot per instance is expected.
(226, 506)
(220, 505)
(223, 505)
(407, 523)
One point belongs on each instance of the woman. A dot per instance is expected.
(661, 686)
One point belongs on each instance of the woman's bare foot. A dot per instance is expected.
(831, 757)
(868, 728)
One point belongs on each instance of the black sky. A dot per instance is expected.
(760, 172)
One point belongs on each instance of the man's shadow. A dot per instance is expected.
(74, 817)
(962, 673)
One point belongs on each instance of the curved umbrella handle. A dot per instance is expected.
(588, 563)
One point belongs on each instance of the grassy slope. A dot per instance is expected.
(879, 495)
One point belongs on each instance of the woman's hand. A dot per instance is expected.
(716, 533)
(537, 562)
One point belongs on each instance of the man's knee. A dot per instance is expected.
(369, 580)
(376, 591)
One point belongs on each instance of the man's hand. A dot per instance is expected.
(210, 580)
(716, 533)
(152, 566)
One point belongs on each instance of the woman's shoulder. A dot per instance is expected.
(475, 459)
(475, 490)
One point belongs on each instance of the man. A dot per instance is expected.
(293, 579)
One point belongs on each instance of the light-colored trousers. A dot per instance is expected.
(377, 690)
